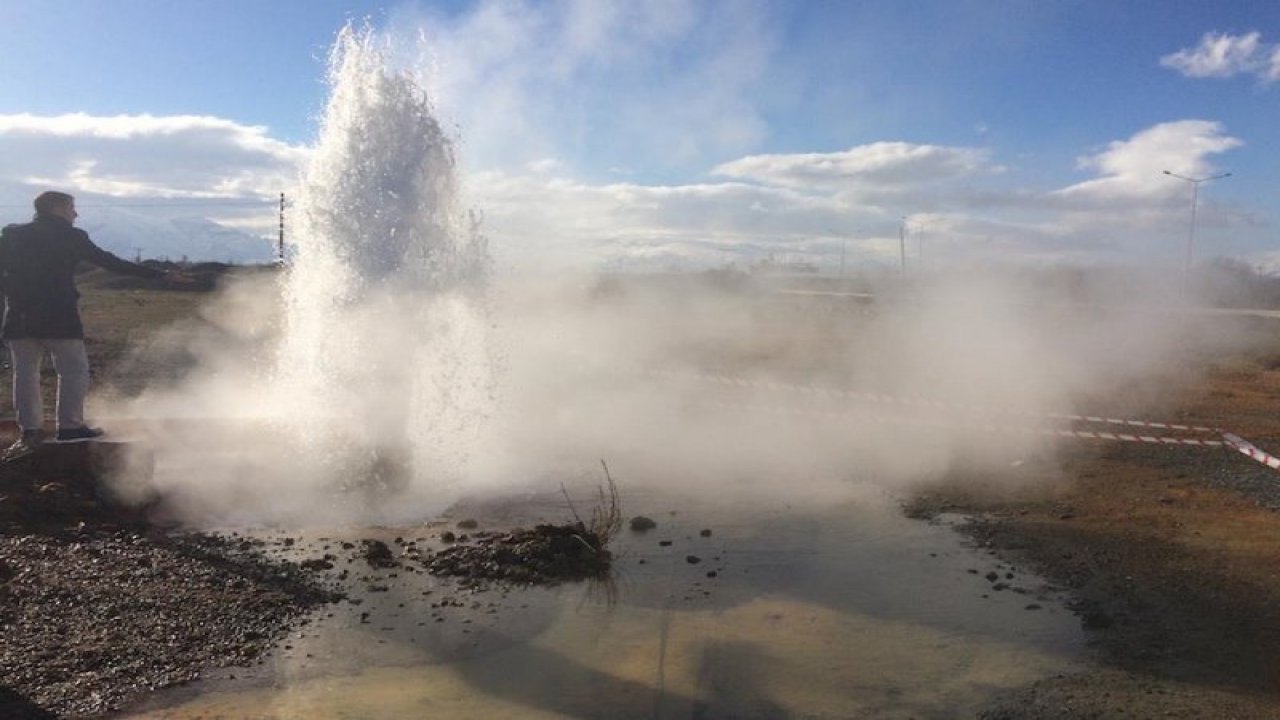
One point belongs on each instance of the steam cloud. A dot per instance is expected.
(386, 373)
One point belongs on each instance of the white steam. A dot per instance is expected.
(383, 376)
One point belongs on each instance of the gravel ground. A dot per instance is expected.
(97, 609)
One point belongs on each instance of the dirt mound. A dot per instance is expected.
(545, 555)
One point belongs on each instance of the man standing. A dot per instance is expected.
(37, 277)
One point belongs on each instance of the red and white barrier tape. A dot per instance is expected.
(1229, 440)
(1239, 444)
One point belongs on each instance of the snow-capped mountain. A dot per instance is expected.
(130, 234)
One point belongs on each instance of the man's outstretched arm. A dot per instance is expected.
(107, 261)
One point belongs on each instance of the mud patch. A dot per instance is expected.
(545, 555)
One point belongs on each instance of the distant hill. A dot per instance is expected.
(206, 276)
(128, 234)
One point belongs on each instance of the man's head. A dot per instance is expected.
(58, 204)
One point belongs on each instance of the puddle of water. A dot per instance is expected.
(850, 612)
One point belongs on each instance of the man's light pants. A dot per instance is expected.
(72, 365)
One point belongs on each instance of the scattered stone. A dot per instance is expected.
(468, 524)
(664, 543)
(705, 533)
(692, 559)
(448, 537)
(377, 554)
(164, 607)
(640, 523)
(992, 576)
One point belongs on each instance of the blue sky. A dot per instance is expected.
(688, 132)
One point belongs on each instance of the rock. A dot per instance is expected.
(692, 559)
(377, 554)
(705, 533)
(1095, 620)
(640, 523)
(468, 524)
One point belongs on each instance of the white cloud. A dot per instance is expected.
(180, 169)
(1222, 55)
(147, 156)
(1134, 168)
(540, 219)
(881, 163)
(821, 204)
(543, 166)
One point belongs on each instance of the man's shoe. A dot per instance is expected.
(25, 445)
(81, 434)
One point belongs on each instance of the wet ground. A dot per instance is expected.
(1167, 559)
(1160, 603)
(852, 611)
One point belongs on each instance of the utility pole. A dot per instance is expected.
(902, 245)
(1191, 231)
(280, 245)
(920, 246)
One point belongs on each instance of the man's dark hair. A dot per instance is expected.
(50, 200)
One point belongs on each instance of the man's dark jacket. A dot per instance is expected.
(37, 276)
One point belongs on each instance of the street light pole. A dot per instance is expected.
(1195, 197)
(920, 247)
(902, 245)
